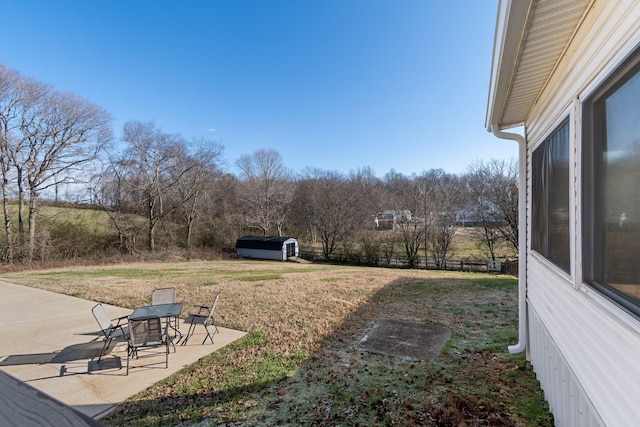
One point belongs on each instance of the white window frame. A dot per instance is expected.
(609, 77)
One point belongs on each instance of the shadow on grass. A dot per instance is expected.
(474, 381)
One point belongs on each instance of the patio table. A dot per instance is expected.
(166, 311)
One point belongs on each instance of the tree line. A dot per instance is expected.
(162, 191)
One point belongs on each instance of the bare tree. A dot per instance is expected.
(151, 168)
(415, 195)
(19, 101)
(493, 189)
(69, 132)
(220, 220)
(363, 191)
(301, 222)
(120, 204)
(445, 198)
(56, 133)
(412, 234)
(405, 194)
(335, 208)
(266, 190)
(202, 170)
(389, 247)
(371, 247)
(369, 191)
(329, 210)
(441, 235)
(10, 105)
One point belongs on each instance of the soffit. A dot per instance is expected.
(525, 67)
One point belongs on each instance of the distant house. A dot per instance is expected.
(388, 219)
(265, 247)
(567, 73)
(471, 215)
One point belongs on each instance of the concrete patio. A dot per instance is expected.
(51, 342)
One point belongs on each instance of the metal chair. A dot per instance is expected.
(107, 327)
(146, 334)
(204, 317)
(163, 296)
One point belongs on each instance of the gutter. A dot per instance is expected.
(522, 236)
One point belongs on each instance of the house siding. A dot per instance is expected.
(567, 398)
(584, 349)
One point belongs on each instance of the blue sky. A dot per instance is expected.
(331, 84)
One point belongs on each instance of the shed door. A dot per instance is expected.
(291, 250)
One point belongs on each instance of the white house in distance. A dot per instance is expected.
(265, 247)
(567, 74)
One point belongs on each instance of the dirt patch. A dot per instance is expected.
(411, 340)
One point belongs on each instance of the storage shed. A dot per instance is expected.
(567, 73)
(265, 247)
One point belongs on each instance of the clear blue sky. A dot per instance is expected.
(332, 84)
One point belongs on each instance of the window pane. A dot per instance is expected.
(539, 202)
(619, 216)
(559, 247)
(550, 192)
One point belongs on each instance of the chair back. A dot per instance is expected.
(163, 296)
(213, 307)
(147, 332)
(101, 317)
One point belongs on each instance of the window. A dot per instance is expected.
(550, 215)
(611, 187)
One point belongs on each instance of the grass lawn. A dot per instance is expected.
(299, 364)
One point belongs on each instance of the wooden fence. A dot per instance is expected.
(486, 266)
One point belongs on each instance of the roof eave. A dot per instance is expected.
(531, 41)
(508, 39)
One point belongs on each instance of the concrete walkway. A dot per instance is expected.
(51, 342)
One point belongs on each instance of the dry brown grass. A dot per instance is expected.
(299, 364)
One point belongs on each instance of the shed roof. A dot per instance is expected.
(261, 242)
(531, 38)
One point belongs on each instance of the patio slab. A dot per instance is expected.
(51, 341)
(411, 340)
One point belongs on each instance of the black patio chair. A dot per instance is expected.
(147, 334)
(108, 329)
(204, 317)
(165, 296)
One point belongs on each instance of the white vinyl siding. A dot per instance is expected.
(584, 347)
(600, 356)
